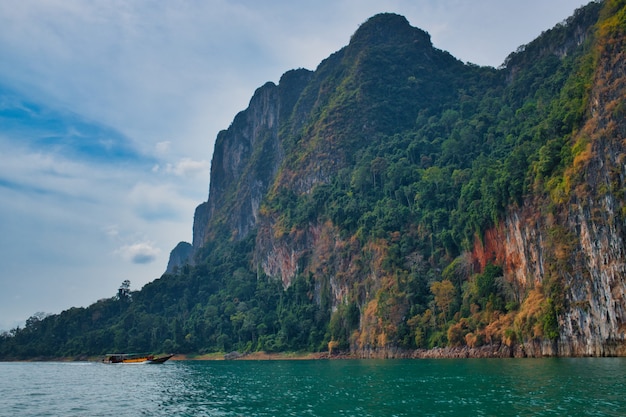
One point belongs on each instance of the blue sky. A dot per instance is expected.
(109, 110)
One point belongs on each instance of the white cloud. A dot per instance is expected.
(64, 224)
(139, 253)
(187, 167)
(112, 231)
(163, 147)
(157, 202)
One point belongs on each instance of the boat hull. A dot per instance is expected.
(124, 358)
(160, 359)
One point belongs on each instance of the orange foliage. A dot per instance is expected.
(499, 329)
(370, 326)
(527, 320)
(472, 340)
(332, 345)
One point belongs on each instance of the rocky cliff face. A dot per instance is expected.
(245, 161)
(330, 121)
(562, 251)
(594, 321)
(235, 162)
(580, 241)
(179, 256)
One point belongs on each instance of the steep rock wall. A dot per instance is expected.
(246, 159)
(577, 241)
(256, 128)
(595, 321)
(179, 256)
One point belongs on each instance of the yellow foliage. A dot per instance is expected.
(370, 325)
(583, 153)
(498, 330)
(457, 333)
(559, 189)
(264, 210)
(444, 292)
(331, 346)
(614, 18)
(527, 320)
(471, 340)
(382, 339)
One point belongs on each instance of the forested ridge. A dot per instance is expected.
(394, 174)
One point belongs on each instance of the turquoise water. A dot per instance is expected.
(469, 387)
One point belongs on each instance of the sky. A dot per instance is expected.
(109, 110)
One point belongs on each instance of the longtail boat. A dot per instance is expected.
(135, 358)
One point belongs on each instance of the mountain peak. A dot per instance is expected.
(389, 28)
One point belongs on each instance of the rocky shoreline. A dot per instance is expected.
(487, 351)
(536, 349)
(464, 352)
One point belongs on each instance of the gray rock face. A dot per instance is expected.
(179, 256)
(245, 160)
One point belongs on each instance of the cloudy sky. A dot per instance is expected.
(109, 110)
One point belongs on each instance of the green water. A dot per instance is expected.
(471, 387)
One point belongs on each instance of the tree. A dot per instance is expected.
(123, 293)
(444, 292)
(32, 323)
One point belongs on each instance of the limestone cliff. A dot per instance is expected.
(179, 256)
(394, 172)
(245, 161)
(575, 237)
(396, 202)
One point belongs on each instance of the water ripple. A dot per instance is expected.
(545, 387)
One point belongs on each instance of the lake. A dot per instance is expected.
(444, 387)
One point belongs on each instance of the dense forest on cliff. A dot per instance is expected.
(396, 198)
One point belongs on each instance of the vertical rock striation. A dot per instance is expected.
(245, 161)
(581, 241)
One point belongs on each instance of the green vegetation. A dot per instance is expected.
(416, 155)
(200, 310)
